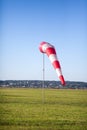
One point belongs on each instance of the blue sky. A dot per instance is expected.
(26, 23)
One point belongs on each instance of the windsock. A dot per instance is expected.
(51, 53)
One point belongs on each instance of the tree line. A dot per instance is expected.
(40, 84)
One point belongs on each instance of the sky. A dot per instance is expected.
(24, 24)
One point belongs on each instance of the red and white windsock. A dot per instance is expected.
(51, 53)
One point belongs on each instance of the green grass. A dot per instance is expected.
(48, 109)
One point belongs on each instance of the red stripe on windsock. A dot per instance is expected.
(40, 47)
(62, 79)
(42, 43)
(56, 64)
(50, 50)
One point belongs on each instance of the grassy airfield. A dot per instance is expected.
(43, 109)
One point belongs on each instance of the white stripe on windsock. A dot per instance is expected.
(59, 72)
(45, 46)
(53, 57)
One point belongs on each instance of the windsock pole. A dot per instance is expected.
(43, 70)
(43, 83)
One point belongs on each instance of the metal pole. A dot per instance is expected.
(43, 84)
(43, 70)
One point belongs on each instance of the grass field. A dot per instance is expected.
(48, 109)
